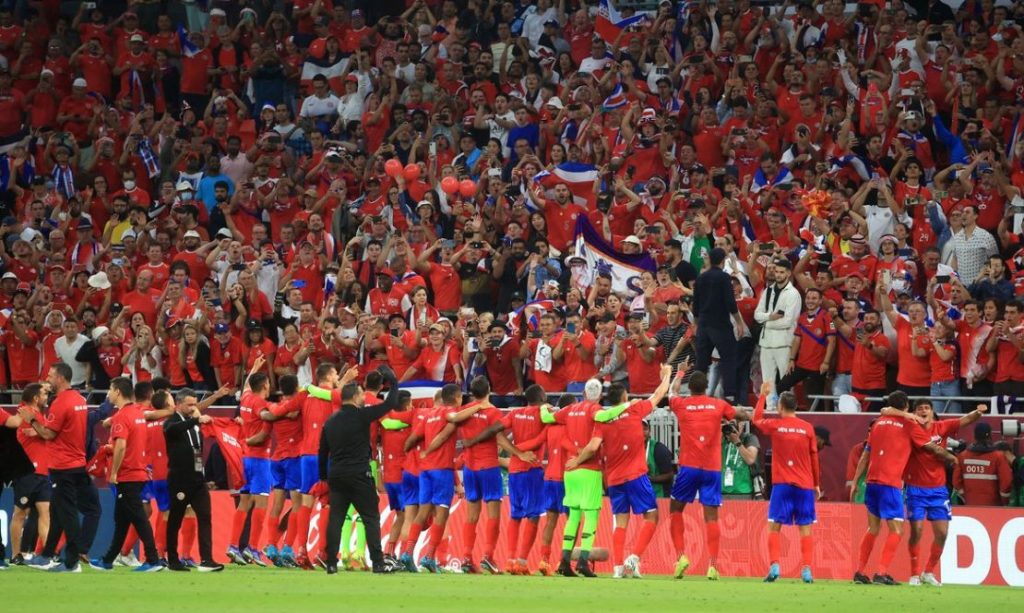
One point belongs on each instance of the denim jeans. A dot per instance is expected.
(946, 389)
(842, 384)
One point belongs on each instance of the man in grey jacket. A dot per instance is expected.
(777, 312)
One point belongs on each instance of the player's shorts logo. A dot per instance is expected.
(180, 495)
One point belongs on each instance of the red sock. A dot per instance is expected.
(892, 541)
(644, 538)
(189, 525)
(435, 533)
(273, 529)
(160, 533)
(441, 553)
(807, 549)
(774, 547)
(714, 538)
(512, 536)
(236, 527)
(933, 558)
(678, 529)
(129, 541)
(259, 517)
(301, 528)
(866, 545)
(493, 531)
(545, 551)
(529, 529)
(618, 545)
(321, 526)
(468, 540)
(293, 522)
(414, 535)
(915, 558)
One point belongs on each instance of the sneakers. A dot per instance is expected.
(60, 568)
(429, 564)
(43, 563)
(489, 565)
(355, 562)
(929, 579)
(270, 553)
(130, 560)
(519, 568)
(286, 557)
(859, 577)
(681, 565)
(209, 566)
(386, 569)
(302, 561)
(713, 573)
(773, 573)
(914, 580)
(565, 569)
(236, 556)
(805, 575)
(884, 580)
(468, 568)
(253, 556)
(18, 560)
(583, 568)
(179, 567)
(406, 561)
(632, 566)
(189, 563)
(150, 568)
(617, 572)
(454, 566)
(332, 568)
(3, 564)
(544, 568)
(99, 564)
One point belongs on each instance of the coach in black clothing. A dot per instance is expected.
(345, 465)
(185, 479)
(713, 306)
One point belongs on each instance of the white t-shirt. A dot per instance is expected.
(313, 106)
(67, 350)
(499, 132)
(590, 65)
(533, 23)
(350, 107)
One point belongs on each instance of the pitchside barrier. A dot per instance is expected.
(985, 545)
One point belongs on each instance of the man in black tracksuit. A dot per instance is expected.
(346, 449)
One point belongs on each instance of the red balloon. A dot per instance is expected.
(393, 167)
(467, 188)
(412, 172)
(450, 185)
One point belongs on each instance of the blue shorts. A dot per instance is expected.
(437, 487)
(884, 501)
(394, 492)
(258, 481)
(157, 490)
(554, 495)
(309, 472)
(526, 493)
(636, 496)
(791, 505)
(931, 503)
(410, 489)
(287, 474)
(482, 484)
(691, 480)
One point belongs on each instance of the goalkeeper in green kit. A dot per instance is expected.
(583, 484)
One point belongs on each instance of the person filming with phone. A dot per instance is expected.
(777, 312)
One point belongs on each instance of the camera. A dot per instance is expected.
(955, 445)
(729, 428)
(825, 258)
(477, 245)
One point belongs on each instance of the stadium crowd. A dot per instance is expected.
(256, 198)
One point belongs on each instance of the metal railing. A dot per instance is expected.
(935, 400)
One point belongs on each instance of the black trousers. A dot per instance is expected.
(73, 493)
(129, 511)
(724, 339)
(814, 381)
(183, 493)
(359, 491)
(744, 354)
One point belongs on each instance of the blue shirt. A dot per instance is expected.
(206, 189)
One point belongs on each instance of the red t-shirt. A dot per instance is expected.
(868, 370)
(1008, 364)
(288, 430)
(794, 449)
(392, 443)
(484, 454)
(813, 333)
(925, 469)
(252, 424)
(396, 355)
(225, 359)
(561, 223)
(578, 420)
(700, 430)
(889, 445)
(23, 357)
(142, 302)
(129, 424)
(156, 449)
(447, 286)
(943, 370)
(577, 368)
(554, 380)
(68, 417)
(625, 454)
(500, 368)
(433, 421)
(913, 371)
(644, 377)
(435, 365)
(314, 412)
(34, 445)
(527, 432)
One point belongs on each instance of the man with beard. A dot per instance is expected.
(386, 299)
(871, 348)
(559, 214)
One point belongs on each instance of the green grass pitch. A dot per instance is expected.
(255, 589)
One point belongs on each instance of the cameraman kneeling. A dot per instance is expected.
(741, 473)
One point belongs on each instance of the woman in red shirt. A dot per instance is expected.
(194, 359)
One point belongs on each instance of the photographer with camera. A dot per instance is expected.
(989, 479)
(742, 477)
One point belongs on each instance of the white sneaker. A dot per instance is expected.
(929, 579)
(617, 573)
(633, 566)
(130, 560)
(915, 580)
(454, 566)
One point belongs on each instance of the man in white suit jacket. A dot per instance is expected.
(777, 311)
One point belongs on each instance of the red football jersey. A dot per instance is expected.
(314, 412)
(794, 449)
(252, 424)
(554, 469)
(889, 445)
(700, 430)
(392, 453)
(434, 420)
(68, 417)
(925, 469)
(34, 445)
(625, 454)
(578, 420)
(526, 430)
(484, 454)
(913, 371)
(156, 449)
(129, 424)
(288, 431)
